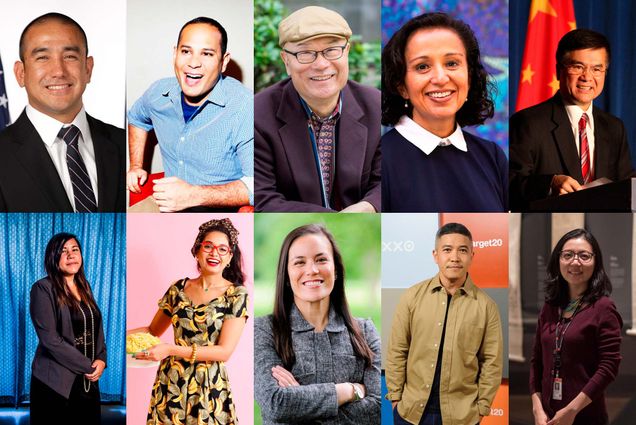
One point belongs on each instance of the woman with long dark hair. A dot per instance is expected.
(433, 84)
(71, 354)
(314, 362)
(577, 344)
(207, 314)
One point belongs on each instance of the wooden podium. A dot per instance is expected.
(611, 197)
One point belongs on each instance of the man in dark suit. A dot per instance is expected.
(55, 157)
(565, 142)
(317, 134)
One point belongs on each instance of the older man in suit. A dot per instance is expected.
(317, 134)
(565, 142)
(55, 157)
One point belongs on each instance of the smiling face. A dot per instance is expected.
(321, 81)
(436, 81)
(576, 273)
(213, 262)
(198, 61)
(55, 70)
(582, 89)
(71, 258)
(453, 254)
(311, 268)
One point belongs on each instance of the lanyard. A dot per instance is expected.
(561, 329)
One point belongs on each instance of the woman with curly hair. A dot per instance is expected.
(577, 345)
(433, 84)
(208, 314)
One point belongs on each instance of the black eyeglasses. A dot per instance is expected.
(583, 256)
(310, 56)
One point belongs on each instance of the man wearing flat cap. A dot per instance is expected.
(317, 134)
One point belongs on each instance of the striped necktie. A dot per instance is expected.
(586, 168)
(82, 189)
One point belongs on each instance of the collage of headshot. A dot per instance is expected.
(332, 212)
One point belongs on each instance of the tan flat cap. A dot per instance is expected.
(312, 22)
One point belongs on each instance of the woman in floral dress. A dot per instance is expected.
(208, 314)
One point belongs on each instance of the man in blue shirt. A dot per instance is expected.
(204, 126)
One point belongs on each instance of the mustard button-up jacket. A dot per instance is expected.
(472, 357)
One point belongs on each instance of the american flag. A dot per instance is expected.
(4, 102)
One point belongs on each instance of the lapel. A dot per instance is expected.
(351, 145)
(296, 143)
(105, 158)
(32, 155)
(562, 133)
(602, 160)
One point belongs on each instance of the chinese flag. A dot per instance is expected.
(549, 20)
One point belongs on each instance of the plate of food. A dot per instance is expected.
(138, 343)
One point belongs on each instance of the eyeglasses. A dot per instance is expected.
(310, 56)
(578, 69)
(583, 256)
(222, 249)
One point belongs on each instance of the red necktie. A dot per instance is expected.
(586, 168)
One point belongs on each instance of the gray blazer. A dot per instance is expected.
(322, 360)
(57, 362)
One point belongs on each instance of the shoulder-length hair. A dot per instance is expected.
(479, 105)
(556, 288)
(284, 300)
(52, 255)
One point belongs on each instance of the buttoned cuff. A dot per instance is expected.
(394, 396)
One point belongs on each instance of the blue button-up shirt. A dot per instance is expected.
(216, 146)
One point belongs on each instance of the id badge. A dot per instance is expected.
(557, 387)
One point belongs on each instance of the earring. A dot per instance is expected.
(406, 103)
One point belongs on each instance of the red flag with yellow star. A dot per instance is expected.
(549, 20)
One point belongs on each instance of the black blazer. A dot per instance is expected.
(57, 362)
(29, 181)
(542, 145)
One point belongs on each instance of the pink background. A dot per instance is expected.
(158, 253)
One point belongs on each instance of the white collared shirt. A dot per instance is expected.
(48, 128)
(426, 141)
(574, 114)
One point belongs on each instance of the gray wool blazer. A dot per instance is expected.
(57, 362)
(322, 360)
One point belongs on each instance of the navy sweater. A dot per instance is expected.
(447, 180)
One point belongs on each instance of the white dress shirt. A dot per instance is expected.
(48, 128)
(425, 140)
(574, 114)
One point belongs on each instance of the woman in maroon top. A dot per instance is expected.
(577, 345)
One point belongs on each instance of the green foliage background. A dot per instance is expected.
(364, 58)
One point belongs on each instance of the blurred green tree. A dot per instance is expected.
(364, 58)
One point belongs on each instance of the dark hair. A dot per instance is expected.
(452, 228)
(479, 105)
(234, 271)
(556, 288)
(580, 39)
(53, 16)
(209, 21)
(284, 300)
(52, 255)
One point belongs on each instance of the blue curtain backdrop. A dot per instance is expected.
(614, 18)
(489, 21)
(23, 238)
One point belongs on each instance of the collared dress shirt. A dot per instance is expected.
(215, 146)
(472, 357)
(48, 129)
(323, 359)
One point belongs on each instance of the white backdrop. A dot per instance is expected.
(105, 27)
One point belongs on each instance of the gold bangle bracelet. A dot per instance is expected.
(193, 357)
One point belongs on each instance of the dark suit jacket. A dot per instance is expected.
(286, 177)
(57, 362)
(29, 181)
(542, 145)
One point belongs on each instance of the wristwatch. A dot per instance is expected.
(357, 393)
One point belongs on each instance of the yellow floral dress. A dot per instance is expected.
(186, 394)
